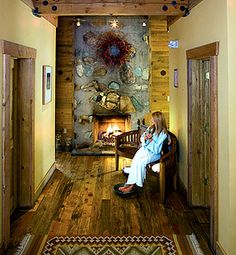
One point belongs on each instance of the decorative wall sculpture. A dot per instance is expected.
(113, 49)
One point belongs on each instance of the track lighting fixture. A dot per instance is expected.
(36, 12)
(186, 11)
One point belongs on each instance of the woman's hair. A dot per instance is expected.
(160, 116)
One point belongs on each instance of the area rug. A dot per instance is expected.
(113, 245)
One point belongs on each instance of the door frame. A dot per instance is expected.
(26, 112)
(208, 51)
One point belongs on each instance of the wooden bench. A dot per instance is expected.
(127, 145)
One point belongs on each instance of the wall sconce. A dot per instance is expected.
(78, 23)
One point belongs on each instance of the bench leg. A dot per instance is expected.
(117, 162)
(162, 183)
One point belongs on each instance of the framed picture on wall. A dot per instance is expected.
(176, 78)
(47, 84)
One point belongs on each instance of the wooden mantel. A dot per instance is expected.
(111, 7)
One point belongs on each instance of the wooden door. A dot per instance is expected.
(25, 129)
(203, 132)
(200, 139)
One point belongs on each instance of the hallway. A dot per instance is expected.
(78, 200)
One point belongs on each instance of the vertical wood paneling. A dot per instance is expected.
(159, 83)
(64, 76)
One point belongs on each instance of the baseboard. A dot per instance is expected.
(182, 189)
(44, 181)
(219, 249)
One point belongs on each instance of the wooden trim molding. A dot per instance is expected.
(44, 182)
(214, 151)
(205, 51)
(219, 249)
(1, 249)
(17, 50)
(182, 189)
(6, 156)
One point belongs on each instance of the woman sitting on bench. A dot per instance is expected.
(151, 146)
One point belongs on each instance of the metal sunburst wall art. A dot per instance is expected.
(113, 49)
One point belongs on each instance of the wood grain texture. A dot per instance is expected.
(206, 51)
(79, 200)
(159, 83)
(17, 50)
(25, 148)
(89, 7)
(210, 52)
(26, 98)
(64, 77)
(6, 157)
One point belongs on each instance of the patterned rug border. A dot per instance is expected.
(107, 240)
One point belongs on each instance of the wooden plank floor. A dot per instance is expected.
(79, 200)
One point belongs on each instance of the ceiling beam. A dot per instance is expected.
(98, 8)
(172, 19)
(30, 3)
(52, 19)
(193, 3)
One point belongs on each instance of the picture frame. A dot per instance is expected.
(47, 84)
(176, 82)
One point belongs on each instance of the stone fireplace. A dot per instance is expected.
(109, 95)
(107, 127)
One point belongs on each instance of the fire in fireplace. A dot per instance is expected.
(106, 128)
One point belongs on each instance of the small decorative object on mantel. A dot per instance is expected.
(47, 84)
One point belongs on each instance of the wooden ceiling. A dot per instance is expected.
(55, 8)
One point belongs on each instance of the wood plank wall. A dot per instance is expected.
(159, 83)
(64, 76)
